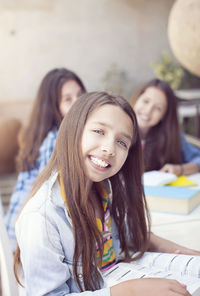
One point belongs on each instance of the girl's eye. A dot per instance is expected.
(98, 131)
(145, 101)
(122, 143)
(68, 99)
(159, 109)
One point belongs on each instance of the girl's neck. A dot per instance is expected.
(143, 134)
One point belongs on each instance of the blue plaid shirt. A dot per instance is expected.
(24, 185)
(189, 152)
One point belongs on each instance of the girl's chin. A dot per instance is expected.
(96, 179)
(97, 176)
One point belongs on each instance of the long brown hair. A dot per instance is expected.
(128, 207)
(44, 117)
(162, 143)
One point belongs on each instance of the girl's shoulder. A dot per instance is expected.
(184, 142)
(50, 137)
(44, 210)
(46, 149)
(44, 197)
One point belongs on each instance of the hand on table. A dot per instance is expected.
(150, 287)
(187, 251)
(172, 168)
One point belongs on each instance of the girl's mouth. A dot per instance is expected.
(144, 117)
(99, 162)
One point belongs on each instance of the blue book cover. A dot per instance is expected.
(172, 199)
(170, 192)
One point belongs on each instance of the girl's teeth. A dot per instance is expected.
(144, 117)
(99, 162)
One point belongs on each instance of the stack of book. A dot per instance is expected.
(168, 193)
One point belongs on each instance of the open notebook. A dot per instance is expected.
(158, 178)
(183, 268)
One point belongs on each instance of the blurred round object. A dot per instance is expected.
(184, 33)
(9, 129)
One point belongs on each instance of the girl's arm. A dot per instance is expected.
(22, 189)
(155, 286)
(48, 272)
(191, 160)
(159, 244)
(190, 153)
(190, 168)
(150, 287)
(24, 185)
(181, 169)
(46, 267)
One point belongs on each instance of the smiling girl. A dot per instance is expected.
(165, 147)
(79, 214)
(58, 90)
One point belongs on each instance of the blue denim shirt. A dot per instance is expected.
(44, 233)
(189, 152)
(24, 185)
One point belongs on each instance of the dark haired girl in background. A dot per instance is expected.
(58, 91)
(165, 147)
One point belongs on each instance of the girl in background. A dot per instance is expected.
(58, 91)
(165, 147)
(79, 215)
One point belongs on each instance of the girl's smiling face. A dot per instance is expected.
(150, 108)
(69, 94)
(106, 139)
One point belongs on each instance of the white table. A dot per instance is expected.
(182, 229)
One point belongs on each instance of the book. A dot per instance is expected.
(173, 199)
(183, 268)
(158, 178)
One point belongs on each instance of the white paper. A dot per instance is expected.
(157, 178)
(183, 268)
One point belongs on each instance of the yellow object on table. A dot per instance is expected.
(182, 181)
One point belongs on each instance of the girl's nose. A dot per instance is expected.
(148, 110)
(108, 150)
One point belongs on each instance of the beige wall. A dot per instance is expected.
(87, 36)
